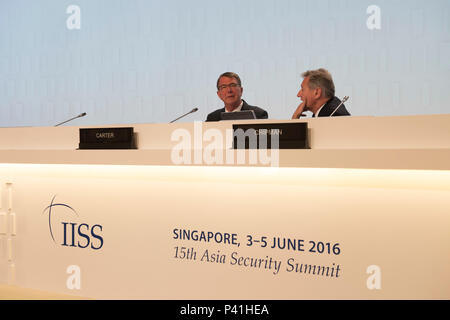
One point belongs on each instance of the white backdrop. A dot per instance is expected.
(140, 61)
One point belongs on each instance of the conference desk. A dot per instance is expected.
(363, 214)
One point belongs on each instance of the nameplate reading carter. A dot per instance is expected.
(107, 138)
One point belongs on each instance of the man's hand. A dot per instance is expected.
(299, 112)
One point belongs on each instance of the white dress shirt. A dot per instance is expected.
(238, 108)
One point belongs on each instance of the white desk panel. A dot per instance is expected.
(363, 221)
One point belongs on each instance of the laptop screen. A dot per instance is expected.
(239, 115)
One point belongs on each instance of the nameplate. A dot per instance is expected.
(107, 138)
(271, 136)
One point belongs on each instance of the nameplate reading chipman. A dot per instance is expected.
(271, 136)
(107, 138)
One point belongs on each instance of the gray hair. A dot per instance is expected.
(229, 75)
(320, 78)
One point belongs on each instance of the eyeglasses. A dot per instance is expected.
(231, 85)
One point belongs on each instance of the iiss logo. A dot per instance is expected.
(70, 233)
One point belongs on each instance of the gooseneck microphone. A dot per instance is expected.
(78, 116)
(342, 102)
(184, 115)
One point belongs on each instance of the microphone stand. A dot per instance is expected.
(342, 102)
(184, 115)
(78, 116)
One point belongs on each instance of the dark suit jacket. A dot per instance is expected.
(329, 107)
(259, 113)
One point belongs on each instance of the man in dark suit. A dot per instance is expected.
(317, 94)
(229, 90)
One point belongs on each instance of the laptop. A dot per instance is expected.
(239, 115)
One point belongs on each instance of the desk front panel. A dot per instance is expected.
(166, 232)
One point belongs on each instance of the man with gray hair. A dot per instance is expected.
(317, 95)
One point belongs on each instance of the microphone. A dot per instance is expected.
(184, 115)
(78, 116)
(342, 102)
